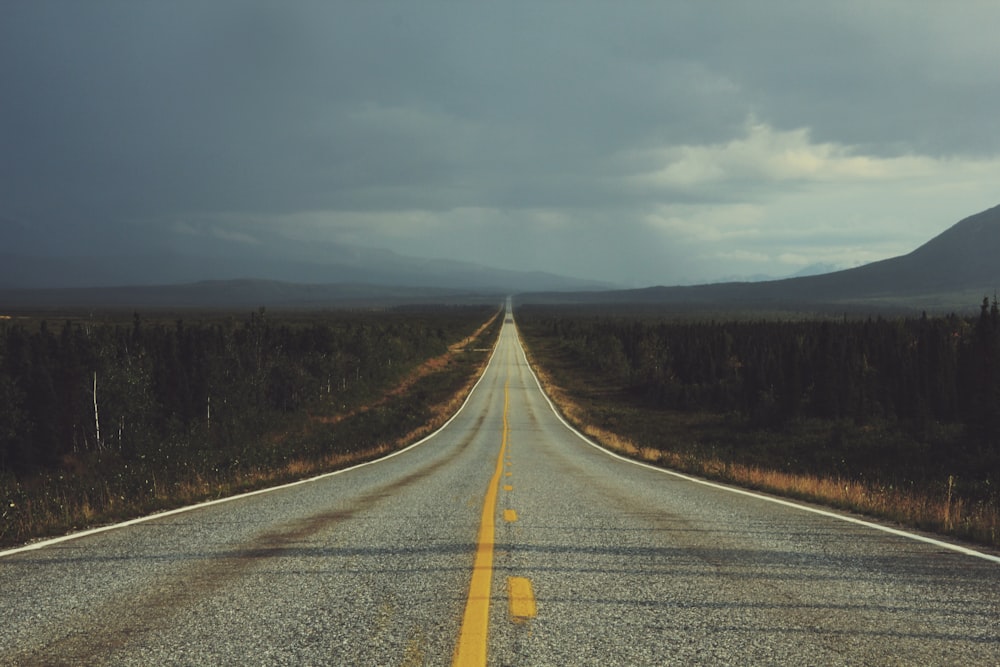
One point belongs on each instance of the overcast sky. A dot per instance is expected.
(638, 142)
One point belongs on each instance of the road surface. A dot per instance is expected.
(504, 538)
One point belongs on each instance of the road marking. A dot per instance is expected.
(510, 516)
(522, 598)
(507, 474)
(471, 648)
(743, 492)
(508, 487)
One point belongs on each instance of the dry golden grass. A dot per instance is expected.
(433, 365)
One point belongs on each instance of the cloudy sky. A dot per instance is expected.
(638, 142)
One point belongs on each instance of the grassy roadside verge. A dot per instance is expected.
(307, 443)
(713, 446)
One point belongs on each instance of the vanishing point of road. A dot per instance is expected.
(504, 539)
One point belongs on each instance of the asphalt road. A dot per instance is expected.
(505, 537)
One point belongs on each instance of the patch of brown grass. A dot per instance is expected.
(429, 367)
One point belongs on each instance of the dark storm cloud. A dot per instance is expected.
(254, 107)
(649, 128)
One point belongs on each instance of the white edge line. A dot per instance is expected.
(179, 510)
(743, 492)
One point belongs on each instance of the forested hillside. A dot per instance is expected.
(117, 412)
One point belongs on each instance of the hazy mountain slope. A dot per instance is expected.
(26, 272)
(40, 258)
(963, 260)
(966, 255)
(963, 257)
(236, 294)
(961, 265)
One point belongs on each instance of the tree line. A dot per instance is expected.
(156, 389)
(914, 371)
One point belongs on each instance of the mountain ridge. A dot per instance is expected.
(941, 273)
(117, 254)
(953, 270)
(238, 294)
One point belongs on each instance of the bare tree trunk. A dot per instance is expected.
(97, 419)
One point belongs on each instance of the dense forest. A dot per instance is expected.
(116, 407)
(933, 383)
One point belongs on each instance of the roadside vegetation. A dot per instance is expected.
(894, 418)
(108, 418)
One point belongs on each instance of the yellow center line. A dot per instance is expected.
(522, 598)
(510, 516)
(471, 648)
(508, 487)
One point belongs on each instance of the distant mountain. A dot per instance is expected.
(236, 294)
(135, 267)
(951, 271)
(19, 271)
(26, 263)
(816, 269)
(743, 278)
(810, 270)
